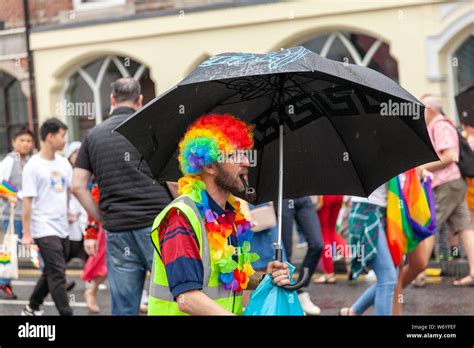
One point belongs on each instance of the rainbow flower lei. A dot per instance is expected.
(234, 275)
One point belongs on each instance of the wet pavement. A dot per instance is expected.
(439, 297)
(23, 288)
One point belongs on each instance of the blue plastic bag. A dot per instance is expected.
(270, 299)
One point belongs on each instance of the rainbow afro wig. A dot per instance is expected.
(208, 137)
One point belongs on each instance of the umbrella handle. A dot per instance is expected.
(304, 277)
(299, 285)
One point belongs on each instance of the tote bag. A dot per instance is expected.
(9, 251)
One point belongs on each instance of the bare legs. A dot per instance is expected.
(467, 239)
(416, 263)
(90, 295)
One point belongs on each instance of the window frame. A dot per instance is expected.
(81, 5)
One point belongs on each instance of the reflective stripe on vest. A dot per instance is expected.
(162, 292)
(159, 289)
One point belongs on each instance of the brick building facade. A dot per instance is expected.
(80, 46)
(16, 109)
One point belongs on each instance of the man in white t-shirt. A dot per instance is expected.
(46, 186)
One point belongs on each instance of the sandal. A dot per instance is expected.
(419, 282)
(463, 282)
(345, 311)
(325, 279)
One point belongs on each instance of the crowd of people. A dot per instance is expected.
(95, 205)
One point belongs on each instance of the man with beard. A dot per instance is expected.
(202, 241)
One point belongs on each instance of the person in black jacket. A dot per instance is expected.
(129, 199)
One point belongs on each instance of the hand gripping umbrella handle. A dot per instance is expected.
(303, 278)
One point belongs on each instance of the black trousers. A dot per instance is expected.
(76, 249)
(303, 211)
(55, 252)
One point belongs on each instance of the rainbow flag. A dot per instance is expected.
(411, 214)
(397, 221)
(419, 199)
(8, 189)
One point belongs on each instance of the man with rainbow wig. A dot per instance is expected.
(203, 255)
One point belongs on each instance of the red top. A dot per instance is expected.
(92, 228)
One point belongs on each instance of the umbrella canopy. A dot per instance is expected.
(465, 106)
(347, 129)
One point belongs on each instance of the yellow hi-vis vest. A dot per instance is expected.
(160, 300)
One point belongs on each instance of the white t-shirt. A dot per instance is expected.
(378, 197)
(76, 228)
(48, 183)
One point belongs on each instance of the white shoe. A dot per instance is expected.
(308, 306)
(302, 245)
(27, 311)
(370, 276)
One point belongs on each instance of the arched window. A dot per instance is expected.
(355, 48)
(86, 98)
(464, 65)
(13, 110)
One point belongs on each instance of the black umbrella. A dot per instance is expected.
(346, 129)
(465, 105)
